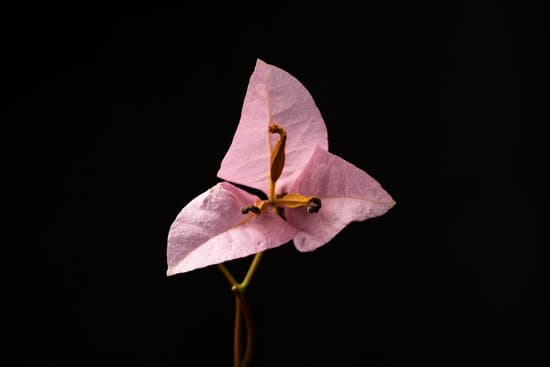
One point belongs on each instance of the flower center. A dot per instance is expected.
(287, 200)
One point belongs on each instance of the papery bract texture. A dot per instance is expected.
(347, 193)
(211, 229)
(273, 96)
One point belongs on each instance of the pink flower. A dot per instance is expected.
(281, 148)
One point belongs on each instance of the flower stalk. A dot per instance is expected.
(242, 313)
(302, 175)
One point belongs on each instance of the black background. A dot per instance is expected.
(117, 116)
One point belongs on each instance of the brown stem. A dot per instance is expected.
(242, 311)
(237, 334)
(248, 324)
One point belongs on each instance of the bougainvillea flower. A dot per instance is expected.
(280, 148)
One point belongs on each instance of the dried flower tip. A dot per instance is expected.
(314, 205)
(250, 208)
(275, 129)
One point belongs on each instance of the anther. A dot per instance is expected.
(250, 208)
(314, 205)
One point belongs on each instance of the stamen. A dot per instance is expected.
(292, 200)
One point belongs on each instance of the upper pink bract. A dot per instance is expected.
(211, 229)
(273, 96)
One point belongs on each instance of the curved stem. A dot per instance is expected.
(248, 324)
(249, 334)
(237, 334)
(242, 311)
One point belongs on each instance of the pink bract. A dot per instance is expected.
(211, 229)
(273, 96)
(348, 194)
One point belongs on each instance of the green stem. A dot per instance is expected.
(251, 271)
(232, 281)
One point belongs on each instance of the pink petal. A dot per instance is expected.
(347, 194)
(211, 230)
(273, 96)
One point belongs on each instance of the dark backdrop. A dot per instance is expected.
(117, 116)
